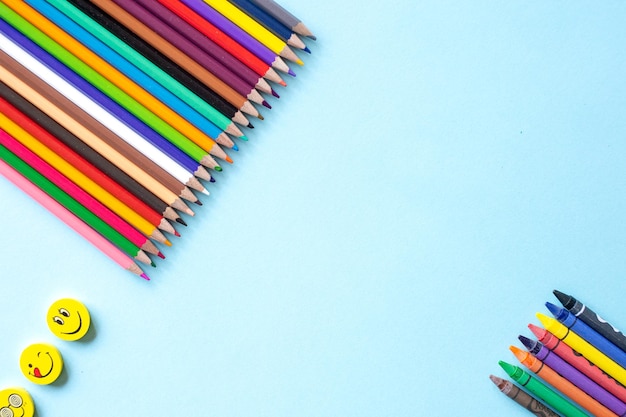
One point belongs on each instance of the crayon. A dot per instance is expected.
(522, 398)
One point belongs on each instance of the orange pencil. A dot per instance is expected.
(558, 382)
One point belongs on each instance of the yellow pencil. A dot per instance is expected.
(583, 347)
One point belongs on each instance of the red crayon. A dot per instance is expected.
(579, 362)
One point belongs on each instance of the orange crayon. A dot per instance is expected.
(563, 385)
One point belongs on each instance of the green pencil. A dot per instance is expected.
(104, 85)
(147, 66)
(72, 205)
(542, 391)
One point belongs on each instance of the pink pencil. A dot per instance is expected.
(68, 218)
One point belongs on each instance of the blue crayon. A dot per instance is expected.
(583, 330)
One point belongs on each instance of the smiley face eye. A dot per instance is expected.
(6, 412)
(64, 312)
(15, 400)
(58, 320)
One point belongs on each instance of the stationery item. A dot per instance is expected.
(74, 119)
(262, 64)
(285, 17)
(157, 42)
(108, 79)
(560, 383)
(53, 166)
(218, 53)
(75, 192)
(254, 29)
(169, 74)
(547, 395)
(93, 157)
(68, 319)
(580, 345)
(239, 35)
(95, 238)
(16, 401)
(596, 339)
(522, 398)
(41, 363)
(154, 27)
(270, 23)
(579, 362)
(592, 319)
(542, 353)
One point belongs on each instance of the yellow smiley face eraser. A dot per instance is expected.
(16, 402)
(68, 319)
(41, 363)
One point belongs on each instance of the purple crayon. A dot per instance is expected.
(567, 371)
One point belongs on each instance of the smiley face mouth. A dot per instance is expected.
(37, 372)
(80, 325)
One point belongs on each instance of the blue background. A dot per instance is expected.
(434, 171)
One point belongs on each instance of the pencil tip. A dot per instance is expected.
(260, 116)
(144, 276)
(176, 233)
(181, 221)
(275, 94)
(229, 159)
(250, 126)
(307, 50)
(198, 202)
(299, 62)
(235, 147)
(168, 243)
(244, 137)
(290, 72)
(160, 255)
(218, 168)
(212, 179)
(152, 264)
(266, 104)
(284, 84)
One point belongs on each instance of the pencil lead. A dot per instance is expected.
(290, 72)
(266, 104)
(229, 159)
(218, 168)
(181, 221)
(235, 147)
(284, 84)
(275, 94)
(307, 50)
(176, 234)
(312, 37)
(198, 202)
(160, 255)
(152, 264)
(260, 116)
(144, 276)
(299, 62)
(244, 137)
(168, 243)
(212, 179)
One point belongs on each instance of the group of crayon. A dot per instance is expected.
(112, 111)
(576, 367)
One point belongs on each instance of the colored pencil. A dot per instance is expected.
(71, 220)
(522, 398)
(567, 371)
(285, 17)
(560, 383)
(238, 34)
(83, 166)
(72, 205)
(592, 319)
(193, 92)
(268, 21)
(18, 77)
(213, 49)
(122, 132)
(188, 53)
(596, 339)
(14, 144)
(580, 345)
(579, 362)
(93, 157)
(89, 138)
(166, 48)
(254, 29)
(554, 400)
(108, 79)
(260, 64)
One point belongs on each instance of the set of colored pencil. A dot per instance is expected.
(112, 111)
(580, 358)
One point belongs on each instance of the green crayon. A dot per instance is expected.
(546, 394)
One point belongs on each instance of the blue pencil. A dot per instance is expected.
(583, 330)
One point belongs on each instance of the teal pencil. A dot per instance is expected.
(554, 400)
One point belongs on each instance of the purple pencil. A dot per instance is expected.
(539, 351)
(115, 109)
(238, 34)
(213, 49)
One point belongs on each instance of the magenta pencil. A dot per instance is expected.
(71, 220)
